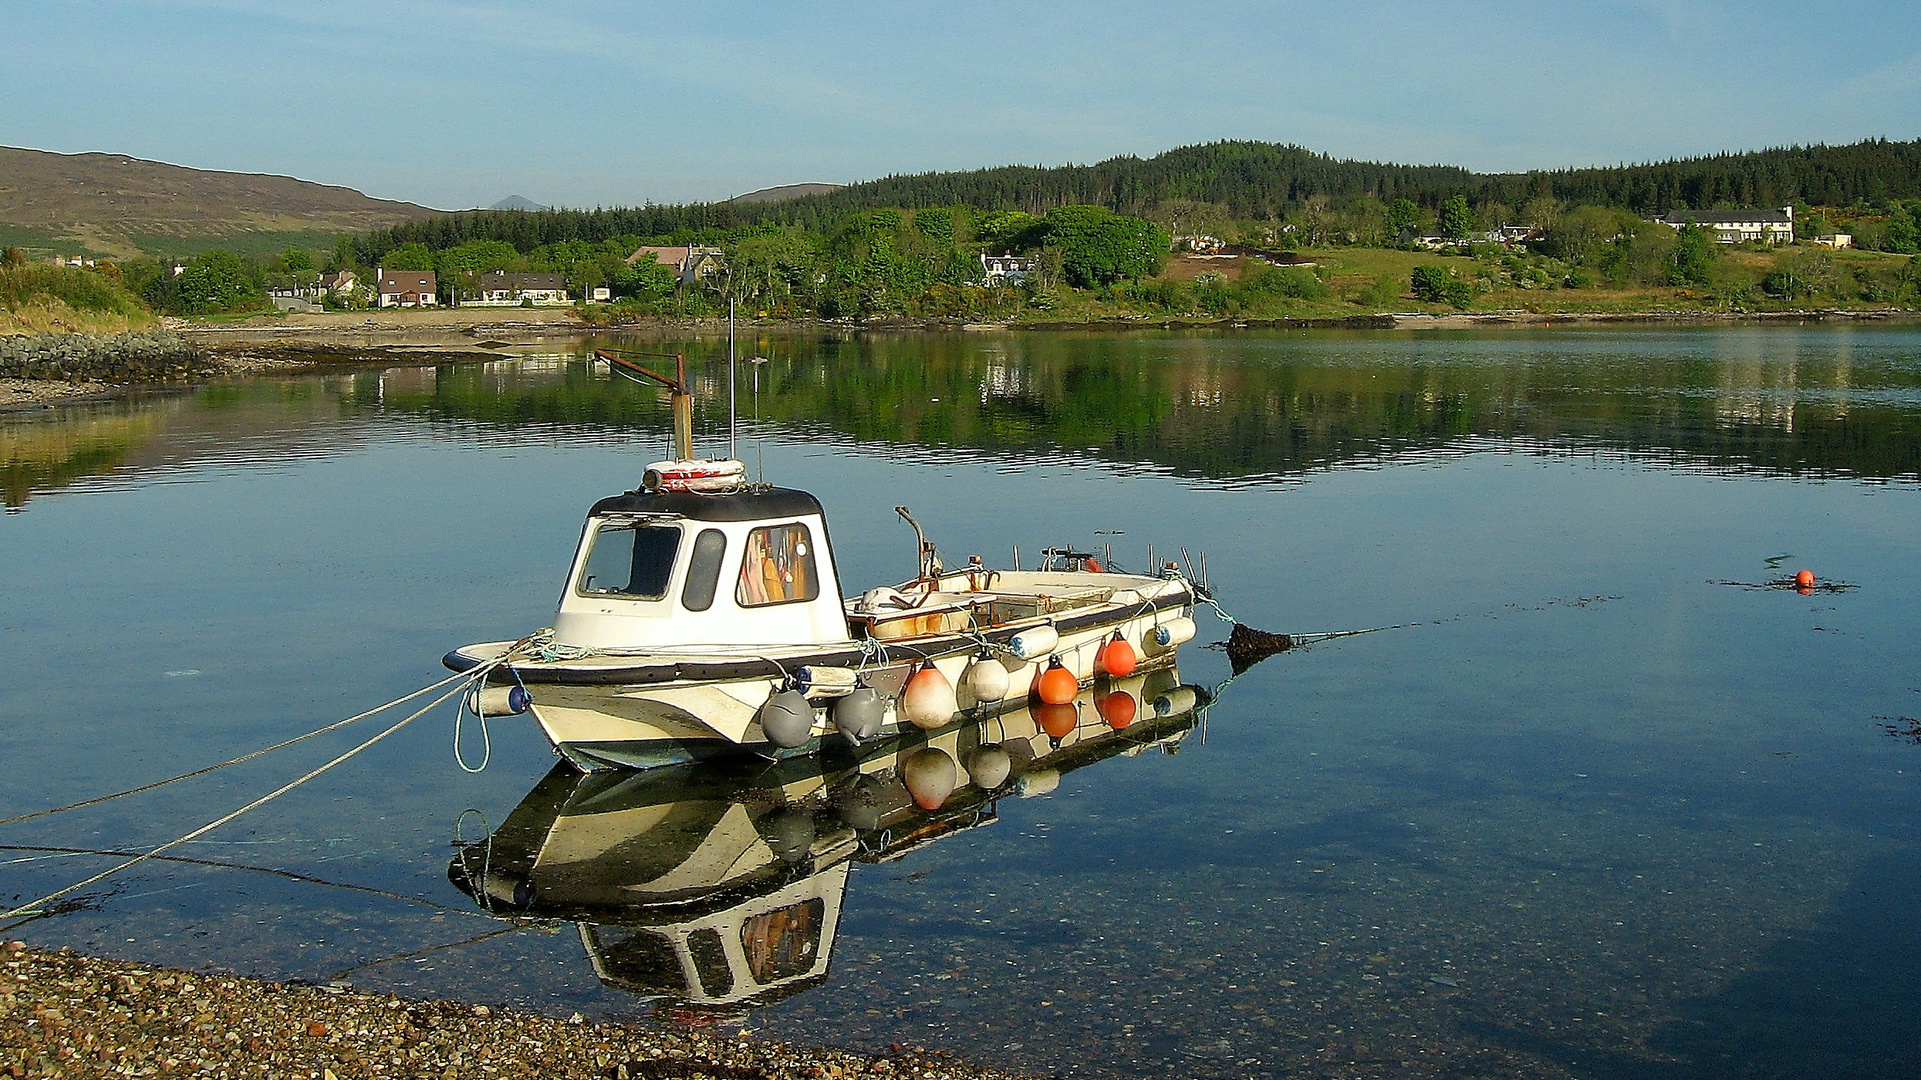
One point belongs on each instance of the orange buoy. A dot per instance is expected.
(1091, 565)
(1117, 708)
(1057, 685)
(1059, 721)
(1804, 579)
(1117, 657)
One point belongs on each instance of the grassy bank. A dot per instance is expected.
(38, 299)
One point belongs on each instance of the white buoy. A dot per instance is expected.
(930, 776)
(927, 701)
(499, 701)
(986, 679)
(1169, 635)
(1035, 642)
(818, 681)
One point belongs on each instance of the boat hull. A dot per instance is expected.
(646, 711)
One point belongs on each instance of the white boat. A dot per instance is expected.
(703, 615)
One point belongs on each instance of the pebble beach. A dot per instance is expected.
(64, 1014)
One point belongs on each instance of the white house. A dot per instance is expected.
(406, 288)
(1007, 269)
(497, 287)
(1739, 226)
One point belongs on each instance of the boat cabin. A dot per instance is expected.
(674, 569)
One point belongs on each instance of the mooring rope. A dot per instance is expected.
(475, 677)
(335, 726)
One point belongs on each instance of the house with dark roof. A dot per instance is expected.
(687, 263)
(499, 287)
(1739, 226)
(406, 288)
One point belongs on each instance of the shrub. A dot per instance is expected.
(1437, 286)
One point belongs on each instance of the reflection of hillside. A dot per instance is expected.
(1251, 407)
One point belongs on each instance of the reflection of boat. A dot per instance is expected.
(720, 884)
(703, 614)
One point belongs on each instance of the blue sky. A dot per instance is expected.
(457, 104)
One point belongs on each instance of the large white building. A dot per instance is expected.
(1739, 226)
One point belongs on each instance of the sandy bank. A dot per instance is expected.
(67, 1015)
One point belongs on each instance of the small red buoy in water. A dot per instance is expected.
(1118, 658)
(1057, 685)
(1804, 579)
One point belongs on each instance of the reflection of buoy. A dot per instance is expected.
(1034, 642)
(1117, 708)
(788, 832)
(858, 715)
(1804, 579)
(1168, 635)
(862, 804)
(986, 679)
(1059, 721)
(1057, 685)
(930, 776)
(787, 719)
(1037, 783)
(927, 701)
(1179, 700)
(990, 766)
(1117, 657)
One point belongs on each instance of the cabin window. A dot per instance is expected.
(709, 954)
(778, 567)
(631, 560)
(785, 943)
(703, 570)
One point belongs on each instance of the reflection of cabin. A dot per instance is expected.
(499, 287)
(1739, 226)
(1007, 269)
(406, 288)
(687, 263)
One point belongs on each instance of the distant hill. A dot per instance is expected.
(518, 202)
(784, 193)
(111, 204)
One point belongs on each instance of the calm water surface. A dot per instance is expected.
(1591, 809)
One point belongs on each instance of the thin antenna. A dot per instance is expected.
(732, 413)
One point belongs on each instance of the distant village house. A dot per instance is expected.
(338, 282)
(406, 288)
(1739, 226)
(687, 263)
(1007, 270)
(499, 287)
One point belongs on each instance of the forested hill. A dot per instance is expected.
(1249, 180)
(1264, 180)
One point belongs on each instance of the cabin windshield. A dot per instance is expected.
(631, 560)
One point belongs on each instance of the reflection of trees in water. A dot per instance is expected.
(39, 457)
(1228, 407)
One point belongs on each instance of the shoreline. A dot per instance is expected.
(296, 344)
(63, 1013)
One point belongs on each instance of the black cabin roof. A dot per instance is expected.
(743, 506)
